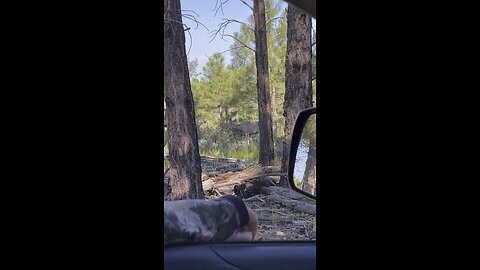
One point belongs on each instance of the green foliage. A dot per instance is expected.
(240, 151)
(277, 46)
(192, 69)
(310, 129)
(226, 93)
(165, 165)
(297, 182)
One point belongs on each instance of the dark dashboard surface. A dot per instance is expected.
(244, 255)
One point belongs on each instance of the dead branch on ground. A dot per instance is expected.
(291, 199)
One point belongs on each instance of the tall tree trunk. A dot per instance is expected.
(274, 109)
(185, 167)
(298, 75)
(309, 180)
(265, 112)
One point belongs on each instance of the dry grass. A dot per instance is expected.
(278, 223)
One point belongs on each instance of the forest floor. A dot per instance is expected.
(279, 223)
(276, 222)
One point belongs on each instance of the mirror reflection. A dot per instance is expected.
(304, 174)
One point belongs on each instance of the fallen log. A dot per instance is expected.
(251, 188)
(214, 159)
(236, 181)
(252, 172)
(256, 197)
(221, 159)
(245, 187)
(208, 185)
(217, 173)
(286, 197)
(290, 194)
(246, 182)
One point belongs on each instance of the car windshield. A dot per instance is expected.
(236, 77)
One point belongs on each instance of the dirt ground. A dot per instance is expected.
(277, 222)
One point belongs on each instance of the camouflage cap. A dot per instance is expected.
(241, 208)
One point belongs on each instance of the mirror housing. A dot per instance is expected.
(299, 130)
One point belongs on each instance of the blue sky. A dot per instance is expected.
(201, 48)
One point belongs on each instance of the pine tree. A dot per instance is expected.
(298, 75)
(184, 156)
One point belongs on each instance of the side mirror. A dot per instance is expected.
(302, 164)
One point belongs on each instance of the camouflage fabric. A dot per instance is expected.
(199, 220)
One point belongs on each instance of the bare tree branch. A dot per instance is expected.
(220, 7)
(187, 29)
(187, 16)
(190, 10)
(192, 18)
(247, 4)
(175, 21)
(221, 31)
(227, 21)
(246, 46)
(232, 49)
(222, 26)
(191, 41)
(216, 4)
(271, 19)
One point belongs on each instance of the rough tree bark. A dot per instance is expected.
(274, 109)
(298, 75)
(265, 111)
(184, 157)
(309, 180)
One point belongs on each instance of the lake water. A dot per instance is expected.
(300, 164)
